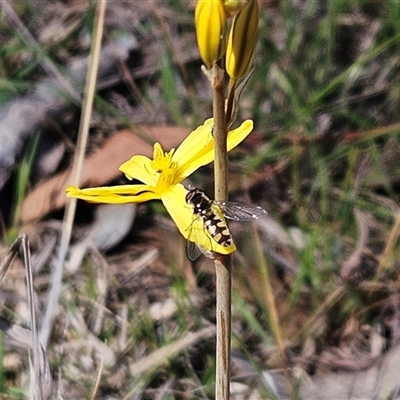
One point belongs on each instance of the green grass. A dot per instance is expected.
(22, 181)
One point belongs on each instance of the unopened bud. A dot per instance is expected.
(232, 7)
(210, 18)
(242, 40)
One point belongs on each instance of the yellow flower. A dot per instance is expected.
(210, 21)
(162, 177)
(242, 40)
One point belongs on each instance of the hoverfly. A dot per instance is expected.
(213, 214)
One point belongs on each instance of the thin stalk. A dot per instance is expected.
(70, 205)
(273, 312)
(37, 381)
(223, 264)
(223, 314)
(388, 253)
(220, 135)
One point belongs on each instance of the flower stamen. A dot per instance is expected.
(162, 161)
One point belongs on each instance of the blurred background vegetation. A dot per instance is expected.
(323, 160)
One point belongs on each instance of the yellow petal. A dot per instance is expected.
(175, 203)
(195, 143)
(140, 168)
(237, 135)
(190, 226)
(198, 148)
(114, 194)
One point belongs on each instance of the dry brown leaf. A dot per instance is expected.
(99, 168)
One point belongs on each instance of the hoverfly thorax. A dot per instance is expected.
(199, 201)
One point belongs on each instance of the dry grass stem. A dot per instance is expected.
(41, 381)
(388, 252)
(76, 172)
(269, 300)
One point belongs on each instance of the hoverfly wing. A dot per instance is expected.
(193, 251)
(241, 211)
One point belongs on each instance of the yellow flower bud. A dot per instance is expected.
(210, 18)
(242, 40)
(232, 7)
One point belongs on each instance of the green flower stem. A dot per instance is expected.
(223, 264)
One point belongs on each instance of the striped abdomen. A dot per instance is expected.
(218, 229)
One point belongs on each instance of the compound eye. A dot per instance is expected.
(189, 197)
